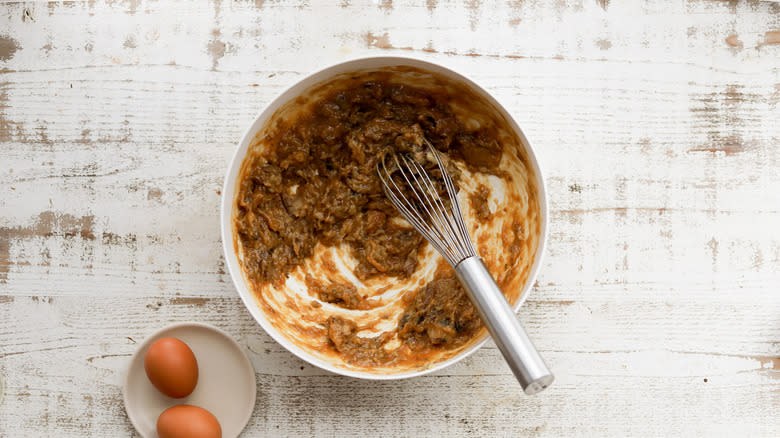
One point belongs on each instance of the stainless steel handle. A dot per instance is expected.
(502, 323)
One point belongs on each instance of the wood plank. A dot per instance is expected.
(588, 381)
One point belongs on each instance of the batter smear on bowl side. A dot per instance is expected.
(332, 263)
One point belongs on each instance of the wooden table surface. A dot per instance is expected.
(657, 124)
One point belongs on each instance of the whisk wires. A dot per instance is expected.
(414, 193)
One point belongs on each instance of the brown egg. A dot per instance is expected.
(171, 367)
(186, 421)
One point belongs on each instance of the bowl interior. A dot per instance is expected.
(290, 95)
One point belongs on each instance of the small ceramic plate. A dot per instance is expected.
(226, 381)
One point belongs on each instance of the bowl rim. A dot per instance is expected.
(290, 92)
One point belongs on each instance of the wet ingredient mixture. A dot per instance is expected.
(315, 183)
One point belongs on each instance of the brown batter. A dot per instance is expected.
(315, 183)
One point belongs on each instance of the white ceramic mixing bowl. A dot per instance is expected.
(290, 94)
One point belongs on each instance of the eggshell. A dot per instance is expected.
(171, 367)
(186, 421)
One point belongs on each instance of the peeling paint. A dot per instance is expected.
(554, 302)
(130, 42)
(5, 257)
(47, 224)
(8, 47)
(216, 49)
(128, 240)
(733, 41)
(383, 42)
(132, 5)
(104, 356)
(604, 44)
(378, 41)
(154, 194)
(728, 146)
(769, 363)
(770, 37)
(714, 245)
(190, 301)
(473, 7)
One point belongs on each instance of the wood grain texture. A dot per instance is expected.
(656, 124)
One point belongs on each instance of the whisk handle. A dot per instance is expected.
(502, 323)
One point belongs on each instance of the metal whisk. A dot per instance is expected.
(414, 192)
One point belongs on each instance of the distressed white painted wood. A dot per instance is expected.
(657, 124)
